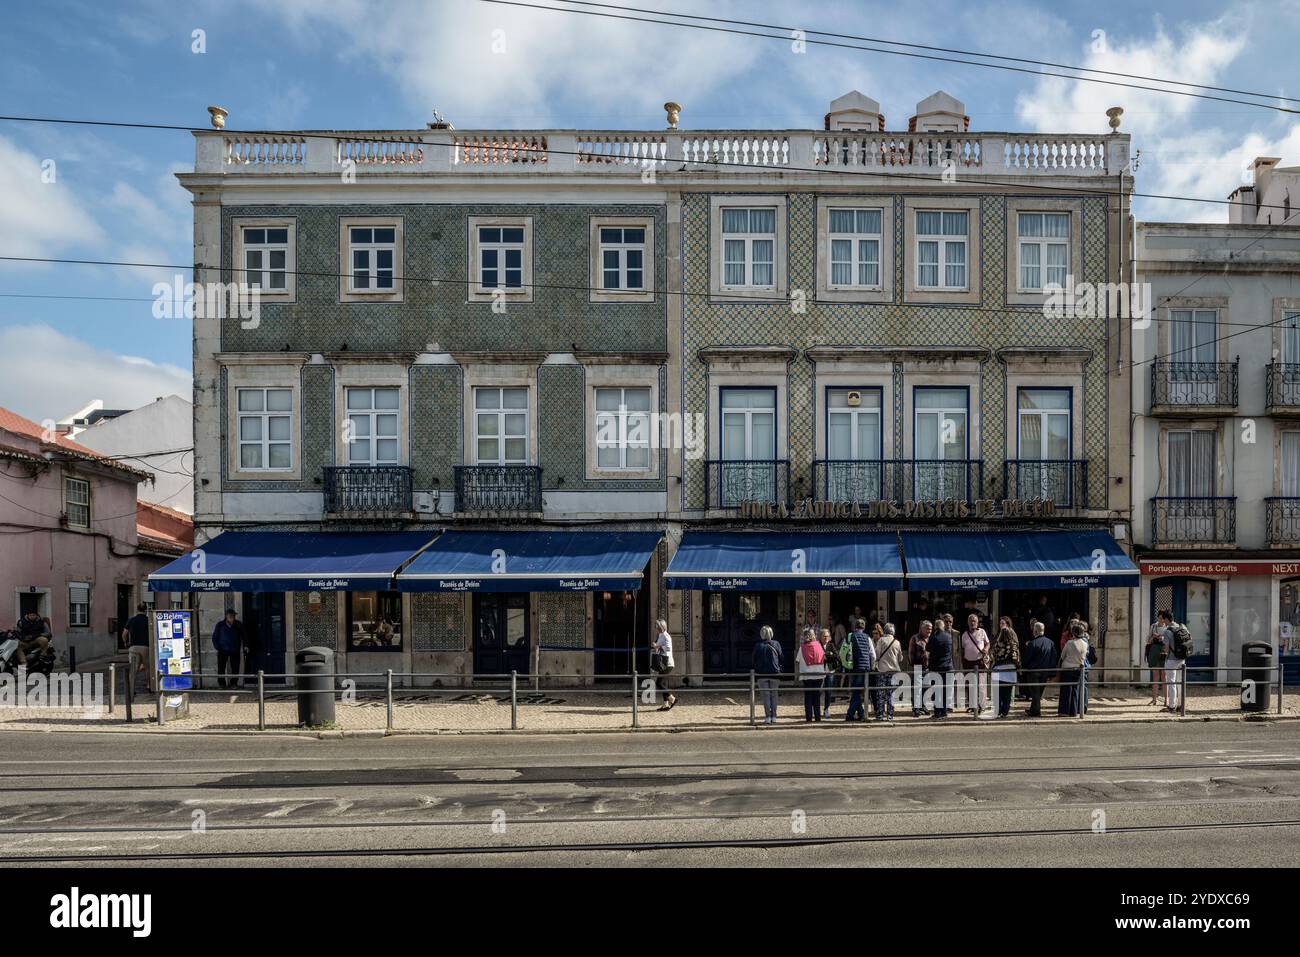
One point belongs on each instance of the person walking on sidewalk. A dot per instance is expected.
(136, 635)
(767, 669)
(228, 638)
(661, 663)
(810, 663)
(1039, 664)
(889, 662)
(864, 660)
(1005, 655)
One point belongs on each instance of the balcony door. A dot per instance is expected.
(748, 468)
(1190, 515)
(941, 444)
(1193, 351)
(501, 426)
(853, 446)
(1044, 469)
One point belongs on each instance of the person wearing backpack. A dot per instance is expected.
(767, 666)
(889, 662)
(861, 658)
(1178, 645)
(810, 664)
(918, 654)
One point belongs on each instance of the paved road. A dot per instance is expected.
(1115, 795)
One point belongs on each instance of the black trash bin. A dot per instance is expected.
(1257, 667)
(315, 676)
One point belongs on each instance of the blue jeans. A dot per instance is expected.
(767, 688)
(857, 680)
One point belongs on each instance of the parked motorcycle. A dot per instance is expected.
(38, 662)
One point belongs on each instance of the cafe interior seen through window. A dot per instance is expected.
(374, 621)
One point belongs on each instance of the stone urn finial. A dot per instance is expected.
(674, 113)
(1115, 112)
(219, 115)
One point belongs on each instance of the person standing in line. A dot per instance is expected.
(228, 639)
(767, 666)
(1073, 657)
(1005, 655)
(1066, 631)
(1155, 653)
(876, 632)
(1039, 665)
(831, 660)
(918, 655)
(864, 660)
(1046, 615)
(136, 636)
(661, 663)
(940, 658)
(974, 654)
(889, 662)
(810, 663)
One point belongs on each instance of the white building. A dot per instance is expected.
(157, 438)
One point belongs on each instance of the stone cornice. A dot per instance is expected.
(828, 353)
(747, 353)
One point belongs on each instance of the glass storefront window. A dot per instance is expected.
(1288, 637)
(374, 621)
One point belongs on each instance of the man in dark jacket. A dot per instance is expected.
(864, 662)
(1037, 666)
(136, 635)
(940, 648)
(227, 638)
(767, 671)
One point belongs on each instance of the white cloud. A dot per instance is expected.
(51, 373)
(39, 218)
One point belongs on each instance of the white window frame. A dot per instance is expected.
(1282, 478)
(1212, 460)
(747, 262)
(348, 291)
(1043, 415)
(1042, 242)
(942, 240)
(719, 289)
(82, 620)
(748, 413)
(239, 258)
(854, 414)
(475, 291)
(253, 277)
(372, 269)
(371, 416)
(600, 291)
(264, 442)
(501, 434)
(620, 425)
(856, 240)
(69, 502)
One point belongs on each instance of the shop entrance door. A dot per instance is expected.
(622, 632)
(1191, 602)
(500, 633)
(732, 622)
(263, 618)
(1287, 645)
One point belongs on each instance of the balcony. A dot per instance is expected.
(1183, 388)
(367, 491)
(1064, 482)
(1282, 522)
(1193, 521)
(898, 480)
(496, 489)
(1282, 388)
(731, 483)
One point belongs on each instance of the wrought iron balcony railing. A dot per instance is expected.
(730, 483)
(898, 480)
(1180, 386)
(1193, 521)
(367, 490)
(1282, 388)
(498, 488)
(1061, 481)
(1282, 521)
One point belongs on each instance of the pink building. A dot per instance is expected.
(77, 546)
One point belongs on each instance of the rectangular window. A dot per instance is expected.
(939, 434)
(855, 248)
(749, 247)
(1191, 463)
(622, 252)
(623, 429)
(373, 257)
(1291, 338)
(1044, 249)
(748, 424)
(266, 257)
(501, 426)
(853, 424)
(1044, 424)
(265, 430)
(374, 621)
(177, 604)
(500, 257)
(1290, 465)
(78, 604)
(941, 239)
(372, 422)
(76, 502)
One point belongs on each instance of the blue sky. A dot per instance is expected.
(376, 64)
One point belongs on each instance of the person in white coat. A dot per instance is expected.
(661, 662)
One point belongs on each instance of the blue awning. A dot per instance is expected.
(531, 561)
(292, 561)
(757, 561)
(961, 561)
